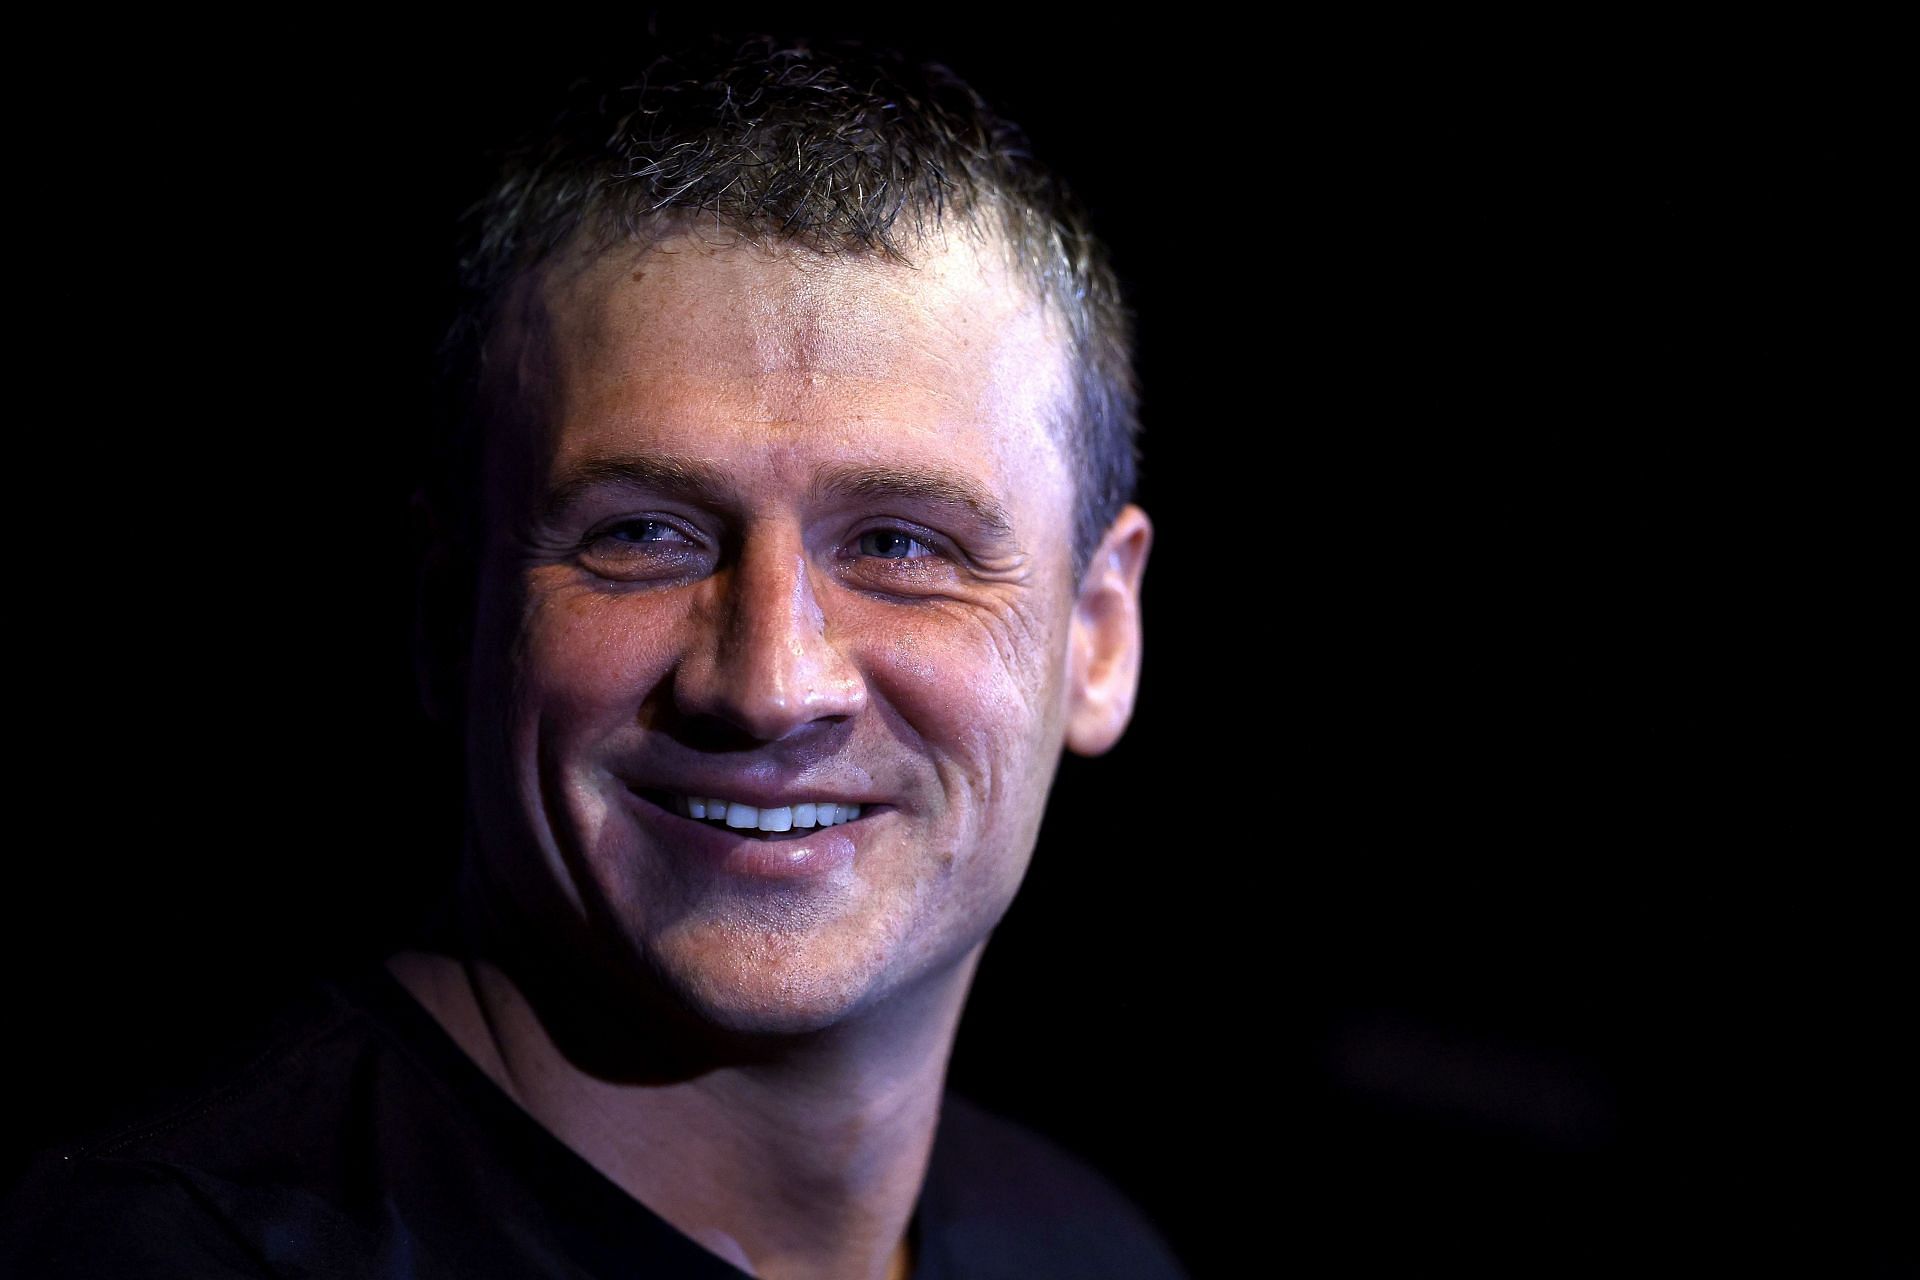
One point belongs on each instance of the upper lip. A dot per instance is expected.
(761, 794)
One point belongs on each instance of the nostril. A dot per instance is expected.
(712, 733)
(757, 680)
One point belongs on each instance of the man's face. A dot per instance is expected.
(798, 536)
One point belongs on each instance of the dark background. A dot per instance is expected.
(1456, 900)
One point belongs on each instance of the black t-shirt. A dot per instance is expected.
(364, 1142)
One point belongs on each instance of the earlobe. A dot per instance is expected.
(1104, 657)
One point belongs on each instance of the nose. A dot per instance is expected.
(766, 662)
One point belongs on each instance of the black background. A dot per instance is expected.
(1423, 920)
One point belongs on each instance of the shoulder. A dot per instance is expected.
(179, 1191)
(78, 1215)
(1003, 1200)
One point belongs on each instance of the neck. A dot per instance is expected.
(800, 1161)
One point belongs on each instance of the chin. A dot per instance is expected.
(754, 984)
(744, 1002)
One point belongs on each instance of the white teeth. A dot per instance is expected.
(746, 817)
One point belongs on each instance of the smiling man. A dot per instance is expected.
(780, 621)
(781, 548)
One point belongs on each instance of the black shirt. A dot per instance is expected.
(364, 1142)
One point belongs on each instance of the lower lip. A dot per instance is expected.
(824, 851)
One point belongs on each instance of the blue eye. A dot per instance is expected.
(633, 550)
(646, 531)
(892, 544)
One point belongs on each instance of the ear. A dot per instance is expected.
(439, 614)
(1103, 657)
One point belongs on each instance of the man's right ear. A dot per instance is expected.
(441, 613)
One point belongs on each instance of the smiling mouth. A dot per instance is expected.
(786, 822)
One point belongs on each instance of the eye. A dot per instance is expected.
(893, 544)
(654, 531)
(643, 549)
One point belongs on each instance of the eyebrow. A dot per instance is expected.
(937, 488)
(709, 486)
(682, 477)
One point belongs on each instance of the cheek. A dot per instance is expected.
(978, 688)
(584, 654)
(976, 707)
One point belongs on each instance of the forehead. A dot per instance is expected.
(772, 307)
(693, 346)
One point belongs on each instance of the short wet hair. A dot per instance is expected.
(839, 148)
